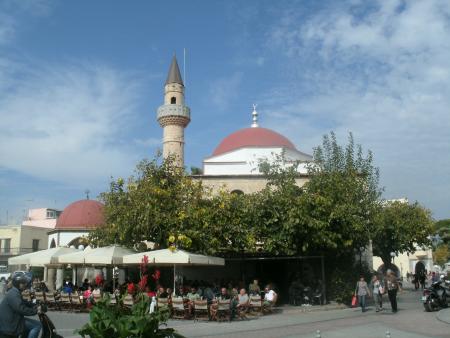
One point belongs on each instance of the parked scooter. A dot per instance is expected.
(437, 296)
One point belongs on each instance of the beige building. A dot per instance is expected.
(21, 239)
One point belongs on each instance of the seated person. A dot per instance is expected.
(254, 289)
(67, 287)
(242, 301)
(270, 296)
(180, 292)
(224, 295)
(162, 292)
(208, 294)
(88, 296)
(192, 296)
(85, 285)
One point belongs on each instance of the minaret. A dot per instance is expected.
(174, 116)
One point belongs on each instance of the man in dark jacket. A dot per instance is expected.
(13, 309)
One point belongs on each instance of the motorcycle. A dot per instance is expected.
(48, 328)
(437, 296)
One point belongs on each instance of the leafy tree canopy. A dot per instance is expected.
(401, 227)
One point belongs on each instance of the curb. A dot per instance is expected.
(444, 316)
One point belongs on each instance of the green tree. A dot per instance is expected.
(441, 255)
(442, 228)
(345, 182)
(401, 227)
(152, 204)
(160, 200)
(333, 211)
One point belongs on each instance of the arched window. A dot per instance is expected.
(237, 192)
(173, 100)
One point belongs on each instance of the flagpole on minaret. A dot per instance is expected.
(184, 67)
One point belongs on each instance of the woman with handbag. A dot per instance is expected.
(362, 290)
(377, 289)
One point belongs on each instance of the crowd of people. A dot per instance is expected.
(191, 291)
(378, 286)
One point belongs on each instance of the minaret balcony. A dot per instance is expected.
(177, 110)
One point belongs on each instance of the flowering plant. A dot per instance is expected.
(99, 280)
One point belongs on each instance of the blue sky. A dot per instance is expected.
(80, 82)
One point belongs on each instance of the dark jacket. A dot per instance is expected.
(12, 311)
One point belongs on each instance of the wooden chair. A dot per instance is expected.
(50, 301)
(97, 295)
(128, 301)
(255, 304)
(201, 309)
(65, 301)
(223, 310)
(112, 299)
(242, 310)
(162, 302)
(178, 308)
(78, 302)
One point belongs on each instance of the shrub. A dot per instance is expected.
(118, 321)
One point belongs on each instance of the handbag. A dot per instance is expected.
(354, 301)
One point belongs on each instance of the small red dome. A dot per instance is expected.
(253, 137)
(83, 214)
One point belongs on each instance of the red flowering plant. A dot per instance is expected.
(148, 280)
(99, 280)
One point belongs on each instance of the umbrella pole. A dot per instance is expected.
(174, 279)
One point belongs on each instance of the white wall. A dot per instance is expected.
(63, 238)
(245, 161)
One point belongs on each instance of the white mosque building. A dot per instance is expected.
(234, 164)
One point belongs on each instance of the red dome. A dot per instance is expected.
(84, 214)
(252, 137)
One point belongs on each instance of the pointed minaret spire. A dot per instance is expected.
(255, 117)
(174, 75)
(174, 115)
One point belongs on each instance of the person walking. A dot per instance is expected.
(377, 290)
(362, 290)
(392, 286)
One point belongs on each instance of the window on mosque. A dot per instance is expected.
(173, 100)
(237, 192)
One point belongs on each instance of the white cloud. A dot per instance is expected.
(382, 73)
(64, 122)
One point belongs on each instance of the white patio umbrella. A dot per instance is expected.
(177, 257)
(41, 258)
(168, 257)
(75, 258)
(108, 255)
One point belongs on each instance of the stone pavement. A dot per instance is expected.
(444, 316)
(410, 322)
